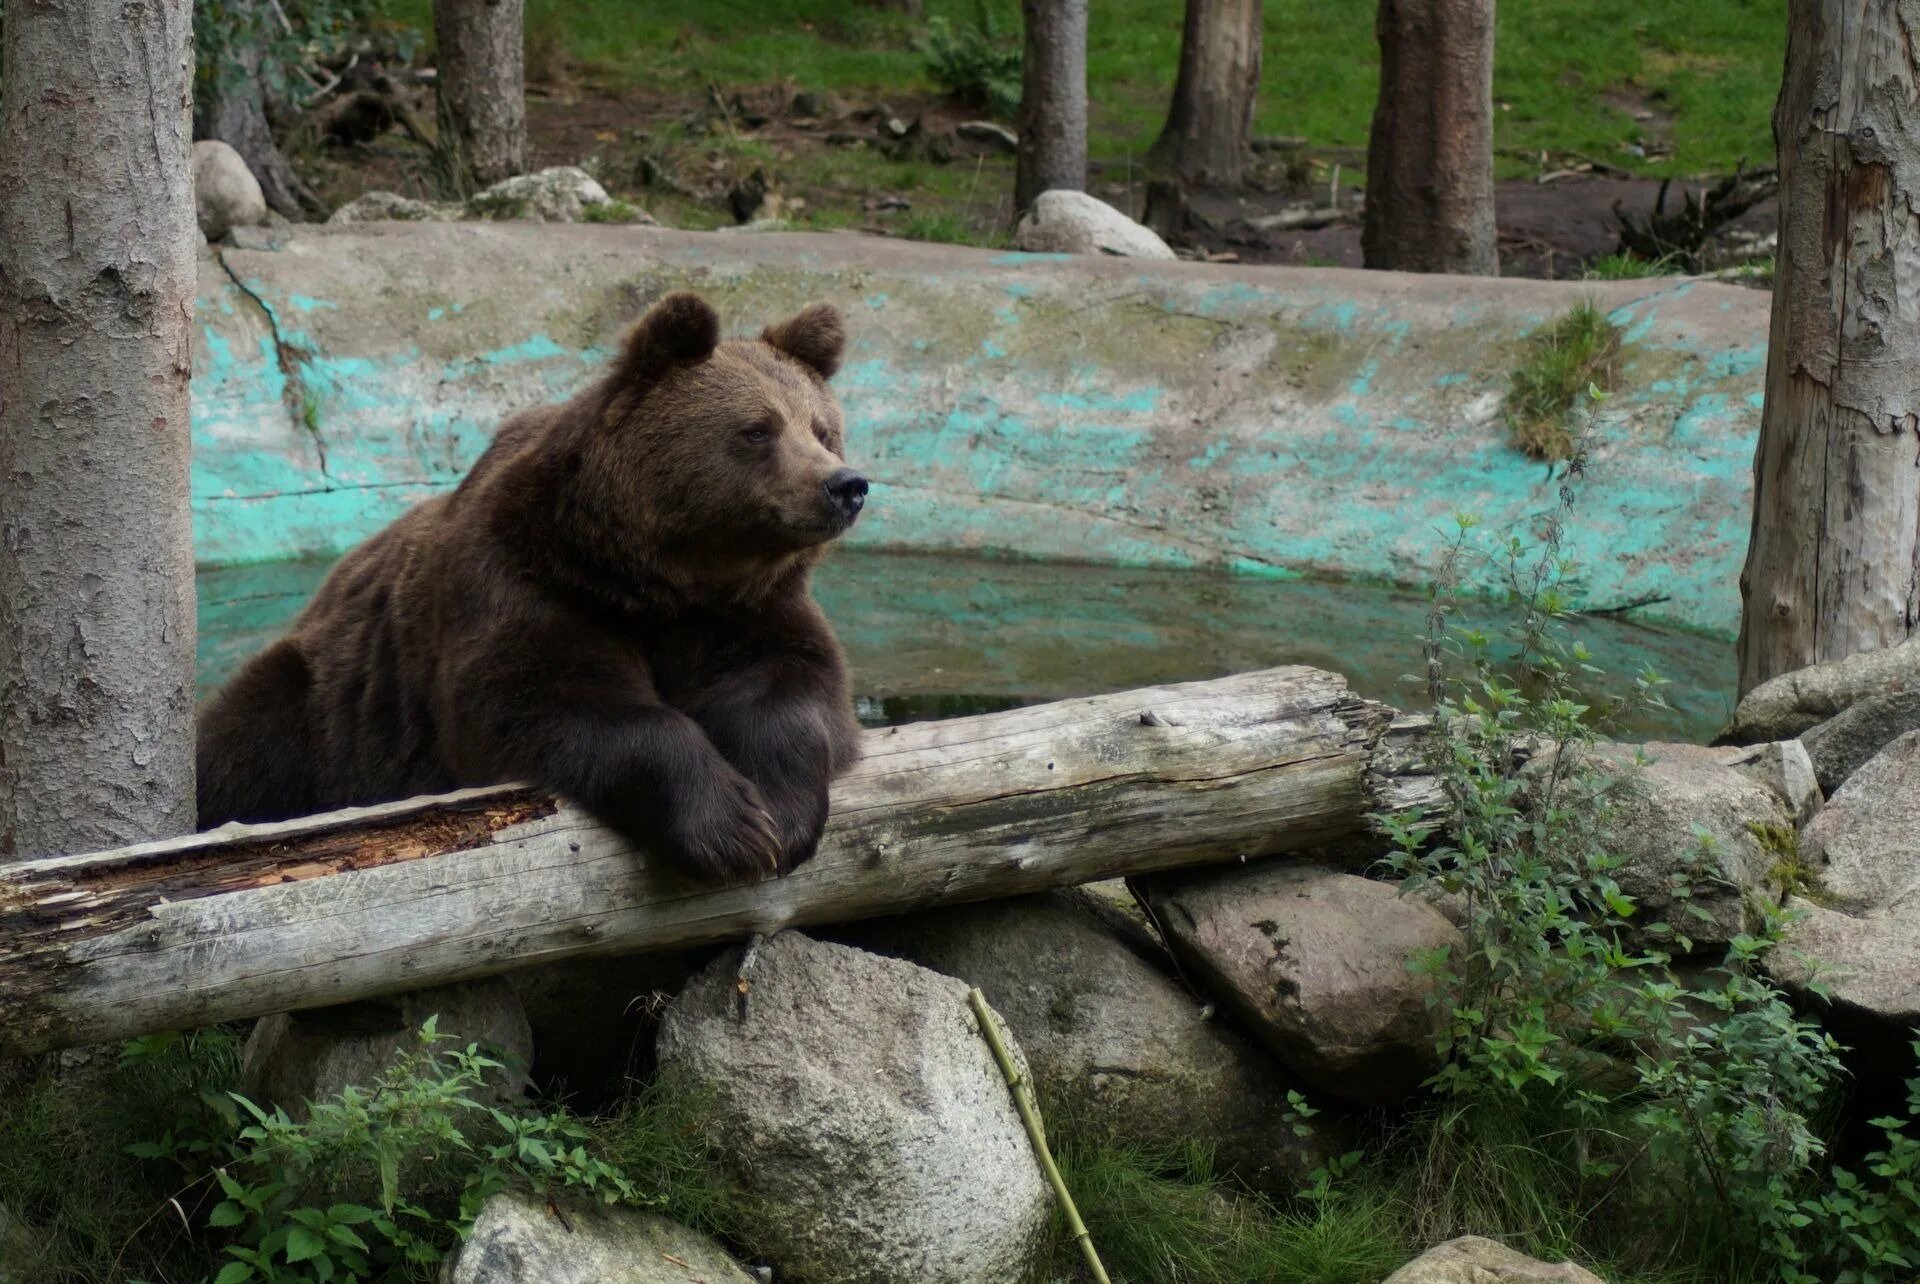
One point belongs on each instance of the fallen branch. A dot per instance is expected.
(249, 920)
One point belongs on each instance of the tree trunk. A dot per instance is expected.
(96, 549)
(1053, 101)
(1430, 156)
(1208, 137)
(481, 83)
(232, 107)
(255, 919)
(1833, 567)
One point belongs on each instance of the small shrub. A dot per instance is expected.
(612, 211)
(950, 229)
(1631, 267)
(977, 63)
(1579, 350)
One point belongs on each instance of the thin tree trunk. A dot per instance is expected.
(1208, 137)
(1430, 156)
(1833, 567)
(232, 107)
(481, 83)
(96, 549)
(1053, 101)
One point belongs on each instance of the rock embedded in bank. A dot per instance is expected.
(1111, 1035)
(1783, 707)
(1315, 962)
(874, 1138)
(1472, 1259)
(292, 1058)
(518, 1239)
(1063, 222)
(1845, 742)
(1863, 851)
(226, 195)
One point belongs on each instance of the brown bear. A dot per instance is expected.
(613, 604)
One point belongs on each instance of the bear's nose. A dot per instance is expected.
(848, 489)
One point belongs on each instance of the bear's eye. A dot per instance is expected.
(757, 433)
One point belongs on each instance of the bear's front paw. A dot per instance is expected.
(724, 833)
(800, 815)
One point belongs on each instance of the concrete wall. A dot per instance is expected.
(1269, 420)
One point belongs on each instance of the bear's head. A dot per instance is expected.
(722, 461)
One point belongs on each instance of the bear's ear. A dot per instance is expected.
(680, 330)
(813, 336)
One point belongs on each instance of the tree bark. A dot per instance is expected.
(232, 107)
(256, 919)
(1430, 155)
(96, 549)
(1053, 101)
(1208, 137)
(481, 84)
(1833, 566)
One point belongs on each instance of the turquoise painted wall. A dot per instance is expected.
(1273, 421)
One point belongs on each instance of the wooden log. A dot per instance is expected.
(247, 920)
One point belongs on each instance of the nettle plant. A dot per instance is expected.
(376, 1181)
(1698, 1095)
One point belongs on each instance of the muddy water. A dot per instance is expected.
(932, 637)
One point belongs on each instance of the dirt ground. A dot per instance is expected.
(831, 163)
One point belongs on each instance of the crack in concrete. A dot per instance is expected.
(291, 359)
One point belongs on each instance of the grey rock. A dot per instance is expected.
(19, 1249)
(1474, 1260)
(1063, 222)
(380, 207)
(1785, 767)
(1843, 743)
(295, 1057)
(226, 195)
(997, 137)
(1783, 707)
(1109, 1033)
(875, 1139)
(1315, 962)
(1660, 809)
(1863, 851)
(517, 1240)
(558, 195)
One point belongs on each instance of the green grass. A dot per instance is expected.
(1628, 267)
(1580, 348)
(1567, 72)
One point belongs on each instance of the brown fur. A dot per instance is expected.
(613, 604)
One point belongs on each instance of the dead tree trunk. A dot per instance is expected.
(481, 83)
(1833, 567)
(1208, 137)
(1053, 101)
(96, 550)
(1430, 155)
(231, 106)
(255, 919)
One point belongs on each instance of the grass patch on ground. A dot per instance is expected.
(1579, 348)
(1593, 76)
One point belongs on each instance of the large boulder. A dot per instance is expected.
(380, 207)
(1863, 851)
(1474, 1260)
(562, 194)
(1843, 743)
(517, 1239)
(226, 195)
(1783, 707)
(1314, 961)
(1063, 222)
(19, 1249)
(1109, 1034)
(1785, 767)
(295, 1057)
(874, 1137)
(1659, 810)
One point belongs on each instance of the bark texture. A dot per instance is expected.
(248, 920)
(96, 549)
(1208, 137)
(1053, 101)
(1430, 155)
(232, 107)
(481, 84)
(1833, 567)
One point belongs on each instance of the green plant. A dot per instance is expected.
(1622, 266)
(1579, 350)
(613, 211)
(975, 62)
(953, 229)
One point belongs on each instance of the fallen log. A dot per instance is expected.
(248, 920)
